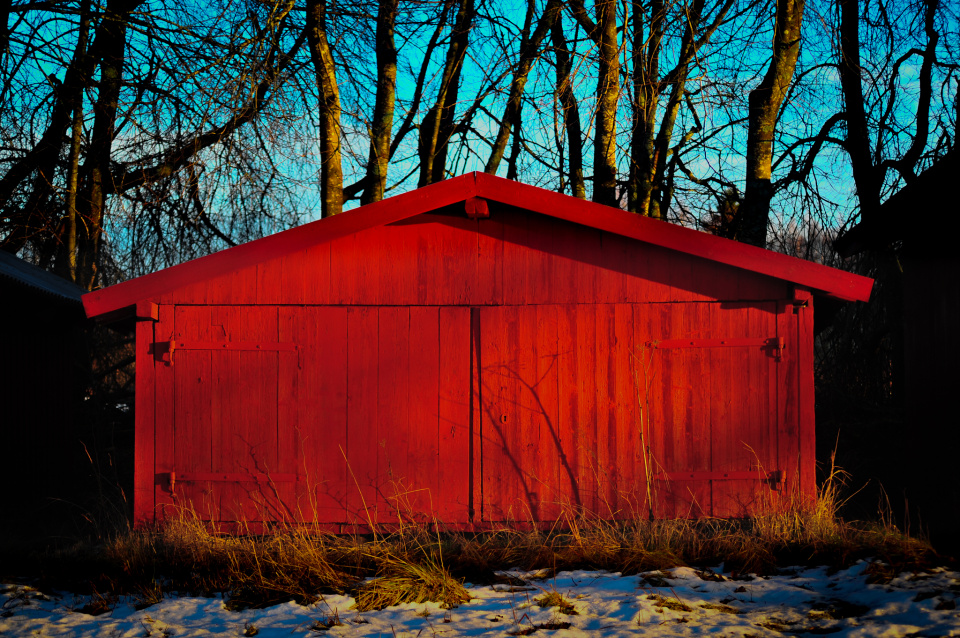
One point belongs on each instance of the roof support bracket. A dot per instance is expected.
(476, 208)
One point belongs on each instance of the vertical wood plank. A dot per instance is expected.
(788, 438)
(307, 274)
(587, 432)
(447, 266)
(424, 456)
(397, 246)
(490, 261)
(251, 440)
(550, 450)
(364, 443)
(454, 481)
(568, 393)
(516, 257)
(477, 415)
(226, 410)
(193, 443)
(165, 408)
(289, 459)
(393, 409)
(355, 264)
(525, 437)
(145, 434)
(631, 494)
(589, 257)
(805, 402)
(269, 287)
(294, 272)
(323, 411)
(607, 471)
(498, 369)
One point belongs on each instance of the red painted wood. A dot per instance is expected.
(315, 272)
(263, 478)
(833, 282)
(291, 499)
(227, 264)
(364, 438)
(544, 401)
(630, 502)
(223, 346)
(145, 439)
(269, 278)
(228, 261)
(521, 446)
(446, 267)
(424, 451)
(499, 467)
(716, 343)
(755, 475)
(254, 443)
(323, 410)
(490, 256)
(606, 472)
(393, 479)
(226, 409)
(397, 349)
(454, 405)
(569, 407)
(788, 439)
(805, 402)
(752, 445)
(193, 444)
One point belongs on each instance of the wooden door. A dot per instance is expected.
(557, 405)
(225, 446)
(711, 373)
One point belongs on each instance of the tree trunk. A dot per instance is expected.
(608, 91)
(111, 44)
(331, 171)
(529, 51)
(763, 109)
(865, 175)
(437, 127)
(381, 128)
(646, 72)
(570, 111)
(66, 262)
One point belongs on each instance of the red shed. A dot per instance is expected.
(476, 351)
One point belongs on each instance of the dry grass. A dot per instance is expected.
(555, 599)
(416, 563)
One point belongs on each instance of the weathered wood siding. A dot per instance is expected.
(474, 371)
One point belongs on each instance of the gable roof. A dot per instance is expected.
(821, 279)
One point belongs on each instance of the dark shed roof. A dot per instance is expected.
(915, 212)
(15, 270)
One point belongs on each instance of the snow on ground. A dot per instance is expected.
(675, 602)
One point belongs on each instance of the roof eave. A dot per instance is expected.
(126, 294)
(822, 280)
(120, 299)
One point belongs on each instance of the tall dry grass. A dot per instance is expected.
(417, 562)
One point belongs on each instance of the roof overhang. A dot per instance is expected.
(120, 300)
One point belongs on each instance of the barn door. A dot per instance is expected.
(557, 406)
(225, 440)
(712, 373)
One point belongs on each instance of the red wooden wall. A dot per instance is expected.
(474, 371)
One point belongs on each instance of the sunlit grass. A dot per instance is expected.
(419, 562)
